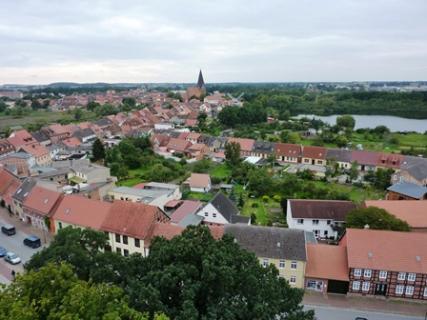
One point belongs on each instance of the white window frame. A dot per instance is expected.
(293, 279)
(357, 272)
(315, 222)
(300, 221)
(365, 286)
(282, 264)
(367, 273)
(399, 289)
(355, 286)
(382, 275)
(409, 291)
(294, 265)
(265, 262)
(401, 276)
(425, 292)
(412, 276)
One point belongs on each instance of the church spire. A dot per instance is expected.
(200, 81)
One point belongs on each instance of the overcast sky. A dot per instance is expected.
(44, 41)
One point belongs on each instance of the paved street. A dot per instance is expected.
(331, 313)
(15, 244)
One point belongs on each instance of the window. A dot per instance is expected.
(137, 243)
(117, 238)
(425, 292)
(300, 221)
(412, 276)
(214, 215)
(399, 289)
(315, 221)
(383, 275)
(401, 276)
(328, 222)
(325, 233)
(367, 273)
(265, 263)
(60, 225)
(126, 253)
(293, 279)
(125, 239)
(365, 286)
(316, 232)
(293, 265)
(357, 272)
(119, 251)
(356, 286)
(409, 290)
(206, 214)
(281, 264)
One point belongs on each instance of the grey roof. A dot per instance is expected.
(40, 136)
(340, 155)
(146, 195)
(23, 191)
(263, 147)
(416, 167)
(240, 219)
(20, 155)
(160, 185)
(224, 206)
(270, 242)
(84, 133)
(190, 220)
(103, 122)
(409, 189)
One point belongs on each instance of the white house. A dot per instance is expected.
(221, 210)
(323, 217)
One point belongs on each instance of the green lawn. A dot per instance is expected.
(266, 212)
(221, 171)
(205, 197)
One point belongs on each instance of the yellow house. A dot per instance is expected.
(284, 248)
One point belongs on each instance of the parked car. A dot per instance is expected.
(12, 258)
(32, 241)
(3, 252)
(8, 229)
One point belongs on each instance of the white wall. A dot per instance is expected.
(210, 218)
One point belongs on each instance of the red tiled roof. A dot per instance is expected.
(72, 142)
(20, 138)
(288, 150)
(173, 203)
(178, 145)
(10, 191)
(199, 180)
(6, 179)
(326, 262)
(314, 152)
(387, 250)
(42, 200)
(36, 150)
(186, 208)
(132, 219)
(216, 231)
(365, 157)
(81, 211)
(245, 144)
(166, 230)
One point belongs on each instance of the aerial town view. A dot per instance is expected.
(204, 160)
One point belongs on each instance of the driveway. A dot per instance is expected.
(15, 244)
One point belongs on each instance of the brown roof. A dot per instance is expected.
(414, 212)
(193, 136)
(42, 200)
(166, 230)
(245, 144)
(199, 180)
(314, 152)
(321, 209)
(81, 211)
(6, 179)
(387, 250)
(132, 219)
(35, 150)
(327, 262)
(287, 150)
(369, 158)
(187, 207)
(20, 138)
(179, 145)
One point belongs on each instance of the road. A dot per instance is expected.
(15, 244)
(331, 313)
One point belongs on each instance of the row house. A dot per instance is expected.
(246, 145)
(287, 152)
(20, 195)
(406, 191)
(366, 160)
(313, 155)
(340, 157)
(5, 147)
(263, 149)
(387, 263)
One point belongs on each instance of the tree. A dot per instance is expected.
(3, 106)
(194, 276)
(375, 218)
(55, 292)
(91, 106)
(232, 153)
(354, 171)
(346, 121)
(98, 150)
(78, 114)
(201, 121)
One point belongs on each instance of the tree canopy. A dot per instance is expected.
(98, 150)
(375, 218)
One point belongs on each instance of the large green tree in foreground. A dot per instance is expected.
(192, 276)
(375, 218)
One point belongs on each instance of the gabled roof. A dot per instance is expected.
(270, 242)
(387, 250)
(132, 219)
(340, 155)
(35, 150)
(412, 211)
(199, 180)
(365, 157)
(264, 146)
(81, 211)
(24, 190)
(6, 178)
(409, 189)
(320, 209)
(20, 138)
(188, 207)
(288, 150)
(179, 145)
(245, 144)
(326, 262)
(314, 152)
(42, 200)
(224, 206)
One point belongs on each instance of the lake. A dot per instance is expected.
(391, 122)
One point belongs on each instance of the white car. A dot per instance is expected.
(12, 258)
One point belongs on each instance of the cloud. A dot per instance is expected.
(44, 41)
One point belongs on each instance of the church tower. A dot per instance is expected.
(200, 81)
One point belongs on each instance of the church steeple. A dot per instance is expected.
(200, 81)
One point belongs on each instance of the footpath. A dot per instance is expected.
(367, 304)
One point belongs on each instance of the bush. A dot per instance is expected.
(265, 198)
(255, 205)
(277, 198)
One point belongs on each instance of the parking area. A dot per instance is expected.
(15, 244)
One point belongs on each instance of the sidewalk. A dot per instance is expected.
(366, 304)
